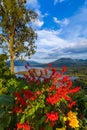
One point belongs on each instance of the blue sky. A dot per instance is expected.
(62, 29)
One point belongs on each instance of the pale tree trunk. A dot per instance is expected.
(12, 54)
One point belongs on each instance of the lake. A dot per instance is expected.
(22, 68)
(19, 68)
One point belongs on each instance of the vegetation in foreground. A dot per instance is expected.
(42, 102)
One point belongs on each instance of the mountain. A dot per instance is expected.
(58, 63)
(23, 63)
(66, 62)
(69, 62)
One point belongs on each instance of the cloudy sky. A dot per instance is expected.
(61, 27)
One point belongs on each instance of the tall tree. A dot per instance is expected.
(16, 36)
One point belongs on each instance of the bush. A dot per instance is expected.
(4, 70)
(46, 103)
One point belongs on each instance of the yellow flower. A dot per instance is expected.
(65, 118)
(73, 122)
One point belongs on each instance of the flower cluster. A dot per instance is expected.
(52, 116)
(24, 126)
(22, 99)
(72, 118)
(62, 92)
(48, 101)
(73, 121)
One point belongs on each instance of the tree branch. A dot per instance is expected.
(2, 37)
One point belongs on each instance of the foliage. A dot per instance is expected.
(81, 81)
(16, 32)
(8, 83)
(4, 71)
(48, 102)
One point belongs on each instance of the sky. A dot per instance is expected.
(61, 27)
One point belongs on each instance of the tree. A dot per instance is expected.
(16, 36)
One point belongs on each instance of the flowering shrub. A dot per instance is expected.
(47, 103)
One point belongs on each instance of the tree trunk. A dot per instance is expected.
(12, 54)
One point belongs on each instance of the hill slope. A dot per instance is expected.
(23, 63)
(67, 62)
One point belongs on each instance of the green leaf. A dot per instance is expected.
(23, 119)
(6, 100)
(31, 112)
(1, 127)
(5, 121)
(2, 112)
(42, 120)
(48, 127)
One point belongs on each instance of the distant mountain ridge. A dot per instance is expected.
(23, 63)
(69, 62)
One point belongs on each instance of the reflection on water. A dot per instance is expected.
(19, 68)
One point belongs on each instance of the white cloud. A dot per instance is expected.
(61, 22)
(58, 1)
(36, 7)
(69, 41)
(51, 47)
(37, 23)
(49, 38)
(33, 3)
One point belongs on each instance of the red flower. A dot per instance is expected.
(52, 116)
(24, 126)
(17, 109)
(63, 69)
(71, 104)
(74, 90)
(65, 79)
(53, 71)
(62, 92)
(20, 100)
(50, 89)
(53, 99)
(49, 65)
(27, 93)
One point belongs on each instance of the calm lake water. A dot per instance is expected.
(22, 68)
(19, 68)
